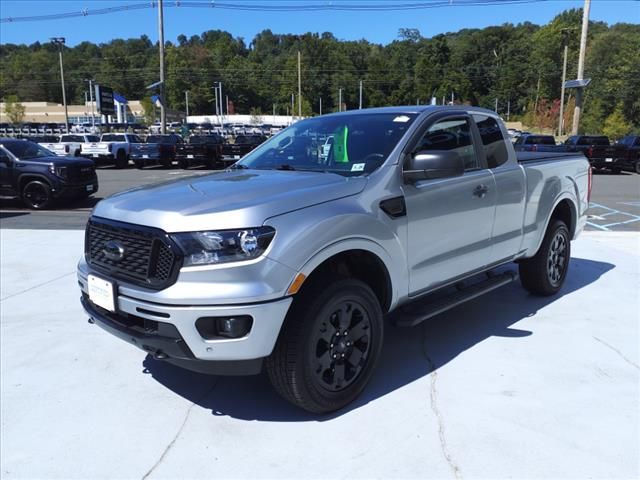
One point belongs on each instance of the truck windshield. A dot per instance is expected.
(25, 150)
(359, 144)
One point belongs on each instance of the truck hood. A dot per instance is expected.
(59, 161)
(225, 200)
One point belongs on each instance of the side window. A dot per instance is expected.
(3, 156)
(451, 134)
(495, 147)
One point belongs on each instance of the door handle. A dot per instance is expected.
(480, 191)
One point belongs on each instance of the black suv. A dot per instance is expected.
(39, 177)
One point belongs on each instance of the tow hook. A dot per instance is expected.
(160, 355)
(91, 321)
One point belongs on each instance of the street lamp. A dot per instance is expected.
(59, 41)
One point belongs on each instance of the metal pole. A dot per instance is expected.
(339, 99)
(360, 104)
(163, 112)
(583, 48)
(60, 43)
(215, 91)
(227, 102)
(186, 103)
(564, 78)
(508, 108)
(93, 119)
(299, 88)
(496, 109)
(320, 105)
(293, 105)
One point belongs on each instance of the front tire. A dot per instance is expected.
(37, 195)
(121, 159)
(544, 273)
(328, 346)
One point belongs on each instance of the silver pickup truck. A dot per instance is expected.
(295, 258)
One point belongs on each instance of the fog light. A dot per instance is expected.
(224, 327)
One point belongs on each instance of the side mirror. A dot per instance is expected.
(430, 164)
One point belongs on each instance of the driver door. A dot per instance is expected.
(450, 219)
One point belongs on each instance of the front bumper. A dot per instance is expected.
(186, 343)
(72, 190)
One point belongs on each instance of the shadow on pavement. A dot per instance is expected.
(408, 353)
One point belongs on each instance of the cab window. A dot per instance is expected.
(495, 147)
(452, 134)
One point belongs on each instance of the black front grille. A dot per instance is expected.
(150, 259)
(79, 174)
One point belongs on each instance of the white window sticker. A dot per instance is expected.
(357, 167)
(401, 119)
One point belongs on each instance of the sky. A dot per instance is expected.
(377, 27)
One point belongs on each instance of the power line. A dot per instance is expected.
(279, 6)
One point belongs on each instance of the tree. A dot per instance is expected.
(14, 109)
(256, 116)
(616, 125)
(149, 110)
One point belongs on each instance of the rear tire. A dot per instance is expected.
(545, 272)
(636, 167)
(328, 345)
(36, 195)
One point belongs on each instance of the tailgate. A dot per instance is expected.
(145, 150)
(95, 148)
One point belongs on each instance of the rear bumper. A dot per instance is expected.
(605, 163)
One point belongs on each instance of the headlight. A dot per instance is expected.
(205, 248)
(58, 171)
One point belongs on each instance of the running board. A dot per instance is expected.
(421, 310)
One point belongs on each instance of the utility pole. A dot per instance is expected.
(360, 103)
(215, 91)
(339, 99)
(186, 104)
(293, 105)
(299, 88)
(163, 111)
(583, 48)
(320, 105)
(496, 109)
(59, 41)
(565, 35)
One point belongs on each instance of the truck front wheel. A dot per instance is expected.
(545, 272)
(328, 346)
(36, 195)
(121, 159)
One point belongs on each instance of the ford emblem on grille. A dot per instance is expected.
(113, 250)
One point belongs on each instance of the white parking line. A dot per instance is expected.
(613, 211)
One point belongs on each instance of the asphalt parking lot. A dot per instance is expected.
(615, 202)
(506, 386)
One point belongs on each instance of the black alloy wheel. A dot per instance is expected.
(121, 159)
(329, 344)
(545, 272)
(36, 194)
(342, 345)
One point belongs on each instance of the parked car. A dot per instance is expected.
(598, 150)
(631, 156)
(295, 262)
(69, 144)
(243, 144)
(39, 177)
(157, 150)
(201, 150)
(538, 143)
(113, 148)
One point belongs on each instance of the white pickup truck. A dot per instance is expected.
(113, 148)
(70, 145)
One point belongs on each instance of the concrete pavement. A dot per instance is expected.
(506, 386)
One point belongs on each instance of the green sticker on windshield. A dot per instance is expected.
(340, 145)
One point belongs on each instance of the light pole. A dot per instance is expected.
(93, 118)
(186, 103)
(360, 103)
(59, 41)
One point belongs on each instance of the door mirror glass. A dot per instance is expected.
(430, 164)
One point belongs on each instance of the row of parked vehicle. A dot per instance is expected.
(601, 153)
(119, 149)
